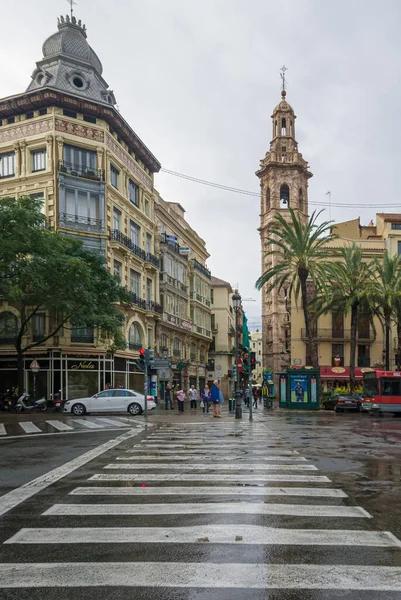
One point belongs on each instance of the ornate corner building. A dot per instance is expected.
(284, 176)
(65, 141)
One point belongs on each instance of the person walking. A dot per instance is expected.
(260, 394)
(221, 400)
(255, 397)
(215, 397)
(205, 398)
(193, 398)
(181, 398)
(167, 397)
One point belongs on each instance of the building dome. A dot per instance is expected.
(283, 106)
(70, 40)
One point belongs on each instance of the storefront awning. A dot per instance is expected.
(342, 373)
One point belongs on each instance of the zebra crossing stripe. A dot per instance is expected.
(209, 491)
(195, 451)
(193, 508)
(2, 429)
(111, 422)
(59, 425)
(29, 427)
(192, 575)
(212, 467)
(207, 477)
(88, 424)
(277, 457)
(193, 445)
(216, 534)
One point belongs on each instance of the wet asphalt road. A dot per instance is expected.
(209, 530)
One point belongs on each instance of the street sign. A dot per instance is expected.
(161, 363)
(34, 366)
(219, 373)
(239, 364)
(218, 368)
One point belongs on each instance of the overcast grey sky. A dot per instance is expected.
(198, 81)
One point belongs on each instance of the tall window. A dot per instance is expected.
(39, 159)
(8, 327)
(164, 342)
(267, 202)
(300, 200)
(202, 354)
(135, 282)
(284, 196)
(82, 204)
(149, 337)
(134, 231)
(133, 192)
(117, 269)
(148, 243)
(135, 335)
(147, 208)
(148, 290)
(337, 325)
(337, 352)
(7, 164)
(84, 335)
(79, 157)
(283, 127)
(114, 173)
(116, 219)
(38, 326)
(176, 348)
(193, 352)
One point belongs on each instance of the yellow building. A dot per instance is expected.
(256, 345)
(184, 333)
(65, 141)
(284, 176)
(223, 330)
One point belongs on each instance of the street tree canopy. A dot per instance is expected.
(44, 271)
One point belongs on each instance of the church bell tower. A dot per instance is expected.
(284, 176)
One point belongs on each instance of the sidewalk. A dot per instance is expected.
(161, 415)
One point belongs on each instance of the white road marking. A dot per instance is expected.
(216, 534)
(190, 445)
(209, 491)
(243, 452)
(192, 508)
(2, 429)
(190, 575)
(29, 427)
(22, 493)
(88, 424)
(111, 422)
(212, 457)
(59, 425)
(206, 477)
(213, 467)
(74, 431)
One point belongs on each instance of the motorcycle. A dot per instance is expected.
(23, 404)
(58, 404)
(8, 400)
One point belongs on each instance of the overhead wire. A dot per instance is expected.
(235, 190)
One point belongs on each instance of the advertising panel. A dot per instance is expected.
(299, 388)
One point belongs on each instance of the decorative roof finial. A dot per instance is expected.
(71, 3)
(284, 81)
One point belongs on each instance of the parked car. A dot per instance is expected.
(342, 402)
(114, 400)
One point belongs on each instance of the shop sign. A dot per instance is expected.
(184, 250)
(171, 238)
(172, 319)
(186, 324)
(81, 365)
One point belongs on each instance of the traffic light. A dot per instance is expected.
(150, 354)
(245, 359)
(253, 361)
(142, 358)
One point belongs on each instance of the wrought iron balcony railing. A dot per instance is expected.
(83, 339)
(153, 259)
(198, 266)
(80, 171)
(327, 335)
(137, 300)
(117, 236)
(154, 307)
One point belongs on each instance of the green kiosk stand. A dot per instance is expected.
(299, 389)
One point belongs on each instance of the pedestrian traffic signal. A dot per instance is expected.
(253, 361)
(245, 359)
(142, 358)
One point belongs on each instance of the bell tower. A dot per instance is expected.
(284, 176)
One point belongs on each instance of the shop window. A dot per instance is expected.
(8, 328)
(38, 160)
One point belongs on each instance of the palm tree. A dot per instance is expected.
(348, 293)
(301, 254)
(385, 295)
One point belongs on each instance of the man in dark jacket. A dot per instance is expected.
(214, 397)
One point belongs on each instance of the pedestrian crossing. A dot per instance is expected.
(242, 520)
(20, 428)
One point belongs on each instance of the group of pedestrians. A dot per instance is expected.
(256, 396)
(209, 396)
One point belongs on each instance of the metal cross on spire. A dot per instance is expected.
(72, 3)
(282, 75)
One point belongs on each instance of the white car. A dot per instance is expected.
(110, 401)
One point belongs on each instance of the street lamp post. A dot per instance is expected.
(236, 298)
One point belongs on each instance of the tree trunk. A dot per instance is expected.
(354, 328)
(303, 276)
(399, 340)
(387, 333)
(20, 371)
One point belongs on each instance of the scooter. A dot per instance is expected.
(23, 404)
(58, 404)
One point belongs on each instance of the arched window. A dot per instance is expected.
(135, 337)
(283, 127)
(177, 348)
(193, 352)
(267, 199)
(275, 128)
(8, 327)
(300, 200)
(284, 196)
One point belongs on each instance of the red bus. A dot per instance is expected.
(382, 392)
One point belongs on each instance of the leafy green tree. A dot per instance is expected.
(299, 254)
(348, 293)
(48, 272)
(385, 295)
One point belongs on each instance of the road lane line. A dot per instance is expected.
(59, 425)
(209, 491)
(213, 467)
(17, 496)
(88, 424)
(207, 477)
(192, 575)
(2, 429)
(29, 427)
(193, 508)
(216, 534)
